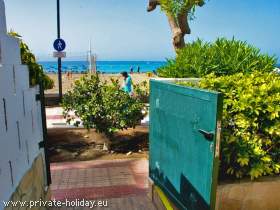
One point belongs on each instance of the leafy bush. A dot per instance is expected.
(35, 70)
(223, 57)
(102, 106)
(176, 8)
(141, 91)
(251, 123)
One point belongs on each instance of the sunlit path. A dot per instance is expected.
(123, 184)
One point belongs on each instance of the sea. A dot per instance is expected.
(109, 67)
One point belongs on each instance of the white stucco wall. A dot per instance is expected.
(3, 27)
(20, 115)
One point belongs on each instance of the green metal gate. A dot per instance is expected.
(185, 125)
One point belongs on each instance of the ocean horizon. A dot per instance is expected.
(111, 67)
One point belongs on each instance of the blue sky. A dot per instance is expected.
(123, 30)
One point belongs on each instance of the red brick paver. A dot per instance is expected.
(123, 183)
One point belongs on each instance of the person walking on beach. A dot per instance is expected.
(131, 70)
(138, 69)
(127, 85)
(68, 75)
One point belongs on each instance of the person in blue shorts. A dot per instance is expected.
(127, 85)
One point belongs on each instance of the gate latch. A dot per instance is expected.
(208, 135)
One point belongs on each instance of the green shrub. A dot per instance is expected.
(103, 106)
(223, 57)
(141, 91)
(35, 70)
(251, 123)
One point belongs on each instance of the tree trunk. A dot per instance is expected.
(177, 33)
(183, 23)
(152, 5)
(179, 25)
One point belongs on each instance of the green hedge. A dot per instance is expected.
(35, 70)
(142, 91)
(103, 106)
(223, 57)
(251, 123)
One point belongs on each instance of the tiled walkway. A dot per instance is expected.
(121, 184)
(55, 118)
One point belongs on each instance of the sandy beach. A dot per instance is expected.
(67, 82)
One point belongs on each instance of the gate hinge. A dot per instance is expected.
(38, 97)
(42, 144)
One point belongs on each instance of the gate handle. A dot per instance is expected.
(208, 135)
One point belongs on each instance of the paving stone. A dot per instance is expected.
(123, 183)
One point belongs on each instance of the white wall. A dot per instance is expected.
(20, 115)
